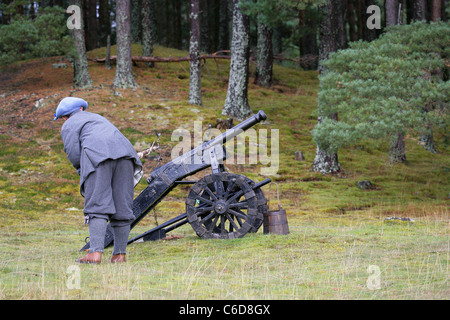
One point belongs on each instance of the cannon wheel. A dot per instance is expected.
(223, 206)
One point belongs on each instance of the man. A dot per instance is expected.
(109, 169)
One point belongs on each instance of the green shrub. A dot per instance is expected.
(45, 36)
(380, 89)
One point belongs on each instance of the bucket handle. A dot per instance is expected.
(278, 196)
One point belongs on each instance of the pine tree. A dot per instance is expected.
(379, 88)
(331, 27)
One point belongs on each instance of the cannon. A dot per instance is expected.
(221, 205)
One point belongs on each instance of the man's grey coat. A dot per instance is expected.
(90, 139)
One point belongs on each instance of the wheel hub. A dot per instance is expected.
(221, 207)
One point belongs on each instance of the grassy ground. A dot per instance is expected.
(339, 246)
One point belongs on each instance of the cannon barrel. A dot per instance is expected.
(236, 130)
(198, 159)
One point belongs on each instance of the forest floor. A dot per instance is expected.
(340, 244)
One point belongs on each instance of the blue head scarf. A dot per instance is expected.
(69, 105)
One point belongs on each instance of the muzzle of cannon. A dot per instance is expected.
(220, 205)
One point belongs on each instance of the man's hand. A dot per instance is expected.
(146, 152)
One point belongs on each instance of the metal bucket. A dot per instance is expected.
(275, 221)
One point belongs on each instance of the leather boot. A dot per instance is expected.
(118, 258)
(93, 257)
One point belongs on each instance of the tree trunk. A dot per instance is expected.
(81, 77)
(352, 26)
(124, 76)
(277, 42)
(420, 10)
(224, 37)
(264, 56)
(330, 41)
(177, 25)
(136, 20)
(436, 10)
(427, 139)
(308, 39)
(104, 21)
(195, 79)
(397, 151)
(391, 8)
(205, 41)
(168, 25)
(236, 103)
(147, 30)
(93, 24)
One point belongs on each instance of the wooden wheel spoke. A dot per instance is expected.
(212, 225)
(238, 214)
(233, 224)
(235, 196)
(239, 205)
(229, 187)
(222, 224)
(204, 200)
(200, 210)
(213, 196)
(208, 217)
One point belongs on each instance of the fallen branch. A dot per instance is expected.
(305, 60)
(162, 59)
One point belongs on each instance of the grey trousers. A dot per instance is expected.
(108, 195)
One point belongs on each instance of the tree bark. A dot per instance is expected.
(224, 37)
(81, 77)
(308, 40)
(436, 10)
(397, 151)
(352, 26)
(420, 10)
(205, 41)
(330, 41)
(236, 103)
(92, 42)
(104, 21)
(168, 25)
(124, 76)
(177, 25)
(195, 83)
(264, 56)
(147, 30)
(391, 8)
(136, 20)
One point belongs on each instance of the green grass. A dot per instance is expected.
(323, 257)
(337, 231)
